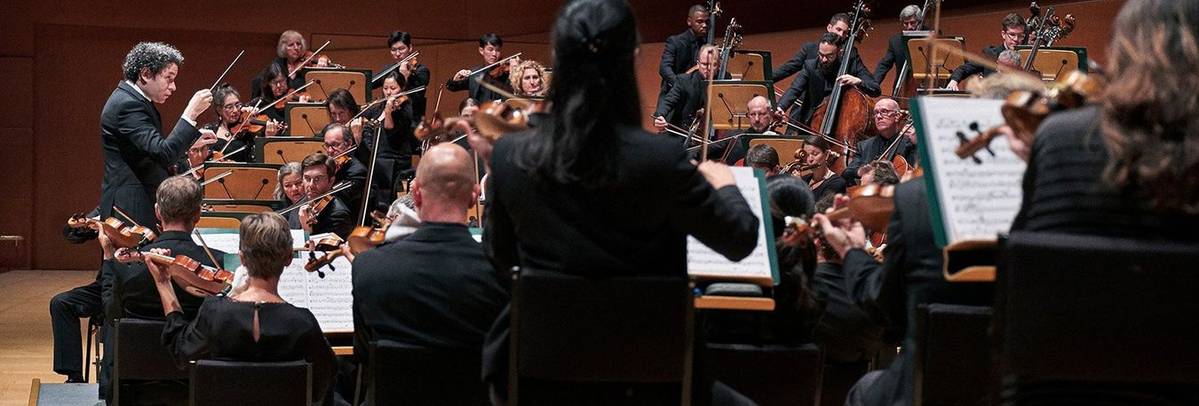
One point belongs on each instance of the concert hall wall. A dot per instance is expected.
(59, 61)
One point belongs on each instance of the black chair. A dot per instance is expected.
(138, 355)
(217, 383)
(617, 340)
(405, 374)
(953, 355)
(769, 375)
(1098, 318)
(93, 329)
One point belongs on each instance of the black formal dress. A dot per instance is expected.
(136, 155)
(477, 91)
(970, 68)
(396, 148)
(680, 54)
(638, 225)
(1064, 189)
(224, 330)
(813, 85)
(418, 78)
(890, 292)
(896, 56)
(688, 95)
(870, 149)
(432, 289)
(832, 184)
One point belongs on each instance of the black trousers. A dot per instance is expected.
(66, 309)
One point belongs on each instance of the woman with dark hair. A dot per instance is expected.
(229, 111)
(397, 144)
(1127, 166)
(587, 191)
(273, 85)
(823, 180)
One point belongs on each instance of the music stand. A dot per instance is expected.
(728, 99)
(242, 206)
(1055, 63)
(919, 51)
(246, 181)
(784, 145)
(281, 150)
(325, 80)
(220, 220)
(306, 119)
(749, 65)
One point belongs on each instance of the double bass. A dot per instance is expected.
(845, 113)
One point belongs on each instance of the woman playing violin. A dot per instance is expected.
(397, 144)
(530, 80)
(273, 86)
(230, 113)
(290, 53)
(823, 180)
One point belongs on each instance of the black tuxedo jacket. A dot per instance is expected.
(136, 155)
(680, 54)
(477, 91)
(688, 95)
(897, 55)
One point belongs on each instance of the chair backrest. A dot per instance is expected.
(405, 374)
(1100, 310)
(769, 375)
(567, 328)
(218, 383)
(139, 353)
(953, 355)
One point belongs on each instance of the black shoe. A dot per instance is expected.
(75, 379)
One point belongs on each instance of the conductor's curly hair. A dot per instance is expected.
(154, 56)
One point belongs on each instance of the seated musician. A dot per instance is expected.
(889, 124)
(688, 94)
(490, 46)
(434, 288)
(290, 186)
(347, 168)
(399, 44)
(255, 325)
(274, 87)
(730, 145)
(838, 25)
(290, 52)
(230, 110)
(68, 307)
(763, 157)
(816, 81)
(878, 172)
(336, 217)
(682, 50)
(530, 80)
(1013, 34)
(342, 110)
(397, 143)
(897, 47)
(177, 207)
(823, 180)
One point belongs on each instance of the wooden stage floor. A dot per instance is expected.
(25, 339)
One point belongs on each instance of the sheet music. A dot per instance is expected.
(704, 262)
(976, 200)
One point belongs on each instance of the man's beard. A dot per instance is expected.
(828, 69)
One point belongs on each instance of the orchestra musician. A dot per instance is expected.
(336, 217)
(688, 94)
(1013, 27)
(230, 112)
(530, 80)
(290, 52)
(177, 207)
(254, 325)
(274, 85)
(348, 169)
(897, 48)
(823, 180)
(490, 48)
(838, 25)
(763, 157)
(399, 44)
(68, 307)
(683, 49)
(137, 157)
(588, 192)
(760, 117)
(888, 121)
(815, 82)
(397, 143)
(433, 288)
(290, 186)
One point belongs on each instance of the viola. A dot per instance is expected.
(496, 118)
(870, 204)
(330, 244)
(255, 124)
(194, 277)
(121, 235)
(364, 238)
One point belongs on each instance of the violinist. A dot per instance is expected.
(274, 86)
(290, 186)
(530, 80)
(1013, 34)
(177, 207)
(688, 94)
(838, 25)
(683, 49)
(823, 180)
(414, 73)
(815, 82)
(347, 167)
(490, 46)
(68, 307)
(253, 325)
(290, 51)
(335, 217)
(435, 287)
(897, 47)
(230, 113)
(889, 123)
(397, 144)
(342, 110)
(137, 155)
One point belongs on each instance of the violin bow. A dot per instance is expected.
(126, 216)
(309, 58)
(216, 178)
(243, 123)
(206, 250)
(504, 93)
(393, 67)
(494, 64)
(289, 94)
(226, 72)
(336, 188)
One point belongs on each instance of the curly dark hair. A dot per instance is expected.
(154, 56)
(1150, 129)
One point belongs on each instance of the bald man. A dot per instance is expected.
(434, 288)
(731, 148)
(890, 123)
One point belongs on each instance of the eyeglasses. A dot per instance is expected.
(886, 113)
(232, 106)
(1013, 35)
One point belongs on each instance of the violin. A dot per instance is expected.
(195, 278)
(330, 244)
(122, 236)
(870, 204)
(364, 238)
(316, 207)
(496, 118)
(799, 168)
(256, 124)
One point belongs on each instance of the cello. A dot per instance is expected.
(845, 113)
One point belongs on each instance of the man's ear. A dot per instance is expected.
(145, 76)
(417, 195)
(157, 213)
